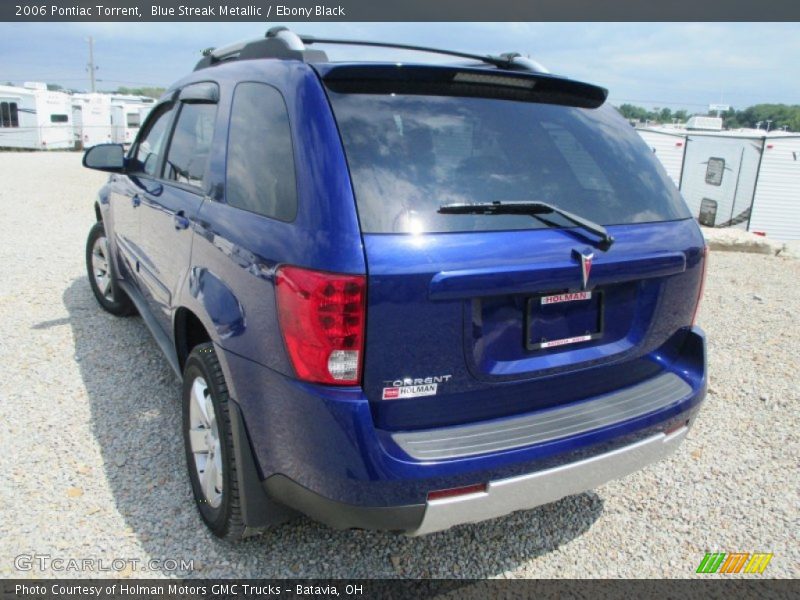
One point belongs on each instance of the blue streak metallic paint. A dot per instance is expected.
(422, 316)
(325, 438)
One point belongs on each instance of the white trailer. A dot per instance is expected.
(31, 117)
(719, 178)
(127, 116)
(92, 116)
(669, 148)
(746, 178)
(144, 112)
(776, 205)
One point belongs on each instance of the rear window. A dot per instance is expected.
(409, 154)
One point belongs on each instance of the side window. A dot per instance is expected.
(9, 115)
(59, 118)
(260, 172)
(715, 170)
(151, 144)
(187, 156)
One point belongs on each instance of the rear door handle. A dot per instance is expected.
(136, 200)
(181, 222)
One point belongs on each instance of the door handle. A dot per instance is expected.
(136, 201)
(181, 222)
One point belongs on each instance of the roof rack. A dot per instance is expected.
(510, 60)
(279, 42)
(282, 43)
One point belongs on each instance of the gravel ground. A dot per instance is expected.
(93, 464)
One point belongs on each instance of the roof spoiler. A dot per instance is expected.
(447, 80)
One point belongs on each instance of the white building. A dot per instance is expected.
(31, 117)
(746, 178)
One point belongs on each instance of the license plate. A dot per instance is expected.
(557, 320)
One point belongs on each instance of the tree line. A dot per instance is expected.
(774, 116)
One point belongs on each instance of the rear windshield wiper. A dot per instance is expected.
(533, 209)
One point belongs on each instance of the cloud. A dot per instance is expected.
(668, 64)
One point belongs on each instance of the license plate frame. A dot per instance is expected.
(571, 302)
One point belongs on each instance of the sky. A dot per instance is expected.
(675, 65)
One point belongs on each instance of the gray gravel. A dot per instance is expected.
(92, 463)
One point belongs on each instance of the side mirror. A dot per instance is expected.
(105, 157)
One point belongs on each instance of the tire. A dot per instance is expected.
(208, 439)
(100, 269)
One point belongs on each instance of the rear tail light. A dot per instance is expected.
(322, 320)
(702, 285)
(478, 488)
(676, 427)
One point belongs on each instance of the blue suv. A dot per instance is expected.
(402, 296)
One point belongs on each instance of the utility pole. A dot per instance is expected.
(91, 66)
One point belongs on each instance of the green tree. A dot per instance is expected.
(730, 119)
(778, 116)
(629, 111)
(150, 92)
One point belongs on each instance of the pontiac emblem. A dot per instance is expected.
(586, 257)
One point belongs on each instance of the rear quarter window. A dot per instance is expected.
(260, 165)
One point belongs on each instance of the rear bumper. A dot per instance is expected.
(316, 449)
(527, 491)
(502, 496)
